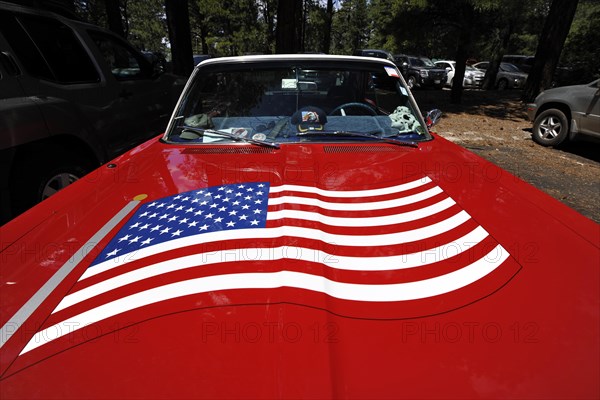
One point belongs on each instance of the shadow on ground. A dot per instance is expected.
(588, 148)
(504, 104)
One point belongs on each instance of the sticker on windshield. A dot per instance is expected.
(403, 91)
(392, 72)
(288, 84)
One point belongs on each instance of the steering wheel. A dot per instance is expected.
(363, 106)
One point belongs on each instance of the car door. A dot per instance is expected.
(143, 100)
(21, 120)
(586, 106)
(60, 76)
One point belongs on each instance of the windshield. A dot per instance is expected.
(281, 102)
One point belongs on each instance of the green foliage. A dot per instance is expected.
(314, 28)
(350, 27)
(581, 49)
(91, 11)
(231, 27)
(147, 26)
(425, 27)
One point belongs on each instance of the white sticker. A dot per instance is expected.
(404, 92)
(288, 84)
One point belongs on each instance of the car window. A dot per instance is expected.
(124, 62)
(426, 62)
(289, 103)
(416, 62)
(48, 49)
(509, 67)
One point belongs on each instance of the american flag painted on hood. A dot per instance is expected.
(386, 252)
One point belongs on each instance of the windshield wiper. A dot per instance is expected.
(231, 136)
(385, 139)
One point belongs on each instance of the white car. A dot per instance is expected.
(473, 77)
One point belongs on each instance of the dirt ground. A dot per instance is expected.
(494, 125)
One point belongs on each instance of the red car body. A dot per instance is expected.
(248, 317)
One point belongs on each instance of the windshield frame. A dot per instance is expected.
(225, 64)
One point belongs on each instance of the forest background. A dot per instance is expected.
(557, 32)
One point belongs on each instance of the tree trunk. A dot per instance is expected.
(289, 26)
(467, 14)
(327, 34)
(114, 18)
(489, 81)
(199, 17)
(556, 28)
(268, 14)
(180, 37)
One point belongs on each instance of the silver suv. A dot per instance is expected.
(72, 96)
(509, 75)
(564, 113)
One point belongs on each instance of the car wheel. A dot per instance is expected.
(38, 176)
(550, 128)
(59, 180)
(502, 84)
(411, 82)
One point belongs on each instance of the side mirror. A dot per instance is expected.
(432, 117)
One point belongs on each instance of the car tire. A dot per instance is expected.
(36, 176)
(411, 82)
(550, 128)
(502, 84)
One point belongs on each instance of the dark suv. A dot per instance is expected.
(72, 96)
(420, 71)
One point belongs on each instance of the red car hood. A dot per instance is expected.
(322, 270)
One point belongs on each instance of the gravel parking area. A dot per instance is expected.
(494, 125)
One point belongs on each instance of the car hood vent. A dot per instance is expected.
(228, 150)
(359, 149)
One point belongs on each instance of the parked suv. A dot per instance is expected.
(420, 71)
(72, 96)
(566, 113)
